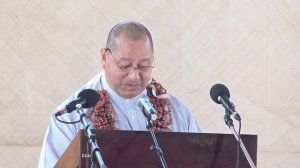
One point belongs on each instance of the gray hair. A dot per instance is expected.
(131, 30)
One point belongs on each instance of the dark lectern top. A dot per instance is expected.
(184, 150)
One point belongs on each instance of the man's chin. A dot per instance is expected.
(128, 94)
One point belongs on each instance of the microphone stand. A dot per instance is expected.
(229, 123)
(156, 147)
(92, 137)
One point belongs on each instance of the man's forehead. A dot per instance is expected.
(128, 43)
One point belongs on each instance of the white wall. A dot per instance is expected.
(48, 49)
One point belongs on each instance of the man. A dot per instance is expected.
(127, 61)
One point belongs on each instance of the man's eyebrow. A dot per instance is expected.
(122, 58)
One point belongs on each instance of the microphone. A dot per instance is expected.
(219, 93)
(86, 98)
(147, 109)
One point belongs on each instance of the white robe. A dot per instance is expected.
(127, 114)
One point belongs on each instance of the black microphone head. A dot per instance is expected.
(91, 97)
(218, 90)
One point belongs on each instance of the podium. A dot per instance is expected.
(183, 150)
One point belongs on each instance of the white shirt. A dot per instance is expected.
(127, 114)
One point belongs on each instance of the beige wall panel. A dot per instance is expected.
(19, 156)
(48, 49)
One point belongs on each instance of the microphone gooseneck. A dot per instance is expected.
(220, 94)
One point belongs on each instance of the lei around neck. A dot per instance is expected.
(102, 114)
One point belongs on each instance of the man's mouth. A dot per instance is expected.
(131, 86)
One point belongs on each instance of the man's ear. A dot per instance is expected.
(103, 57)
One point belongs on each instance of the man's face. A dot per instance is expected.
(126, 81)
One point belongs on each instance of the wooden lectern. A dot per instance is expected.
(182, 150)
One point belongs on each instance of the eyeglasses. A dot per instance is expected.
(130, 68)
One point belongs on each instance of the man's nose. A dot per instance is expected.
(134, 73)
